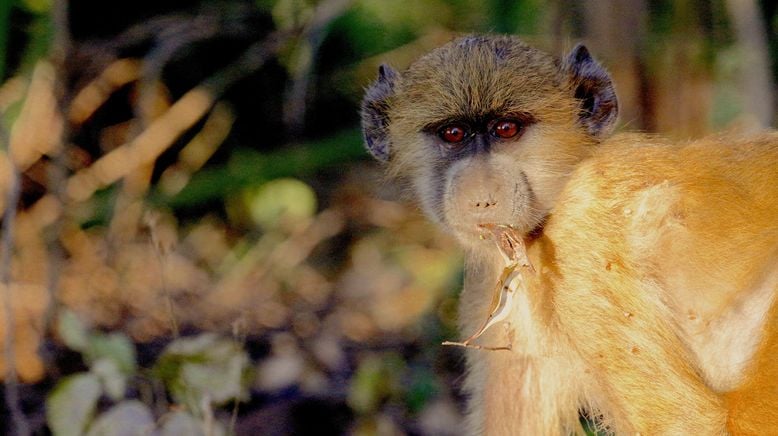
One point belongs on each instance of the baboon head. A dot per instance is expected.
(487, 129)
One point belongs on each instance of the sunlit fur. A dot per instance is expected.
(652, 308)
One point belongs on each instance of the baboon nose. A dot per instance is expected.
(483, 204)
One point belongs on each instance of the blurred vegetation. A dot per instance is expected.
(194, 241)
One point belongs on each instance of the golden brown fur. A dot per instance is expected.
(653, 306)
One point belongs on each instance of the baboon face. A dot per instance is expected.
(488, 129)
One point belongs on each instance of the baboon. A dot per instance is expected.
(651, 305)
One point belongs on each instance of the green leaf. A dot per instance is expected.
(70, 406)
(179, 423)
(113, 379)
(111, 357)
(183, 423)
(114, 346)
(205, 367)
(37, 6)
(290, 13)
(73, 332)
(377, 378)
(128, 418)
(280, 200)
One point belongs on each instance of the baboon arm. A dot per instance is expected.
(618, 319)
(636, 358)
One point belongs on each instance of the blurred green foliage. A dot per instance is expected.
(247, 168)
(198, 372)
(359, 310)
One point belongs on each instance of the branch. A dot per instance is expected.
(163, 131)
(296, 95)
(6, 253)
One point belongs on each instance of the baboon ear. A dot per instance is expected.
(375, 117)
(599, 107)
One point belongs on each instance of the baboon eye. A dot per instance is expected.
(505, 129)
(453, 133)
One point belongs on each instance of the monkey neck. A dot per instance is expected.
(540, 374)
(534, 234)
(532, 324)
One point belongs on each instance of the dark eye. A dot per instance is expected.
(453, 133)
(505, 129)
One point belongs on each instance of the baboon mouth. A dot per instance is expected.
(510, 241)
(485, 231)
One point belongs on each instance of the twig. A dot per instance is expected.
(56, 174)
(232, 21)
(163, 131)
(513, 250)
(6, 251)
(151, 222)
(168, 297)
(297, 93)
(208, 419)
(198, 150)
(171, 40)
(239, 336)
(476, 347)
(93, 95)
